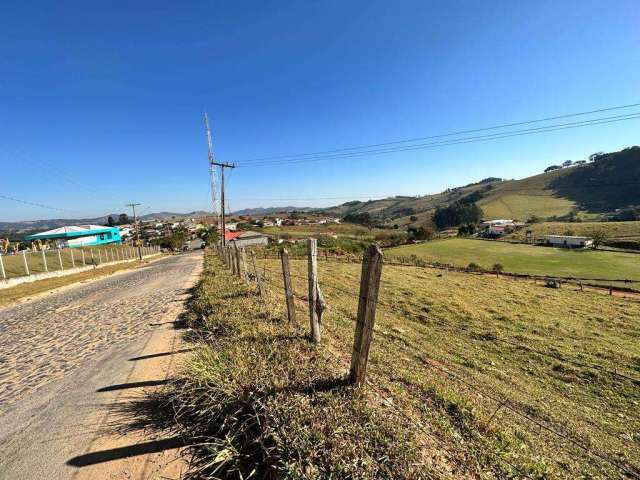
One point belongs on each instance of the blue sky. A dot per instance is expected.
(101, 103)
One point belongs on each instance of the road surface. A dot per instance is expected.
(65, 356)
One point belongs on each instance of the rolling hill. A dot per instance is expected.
(591, 190)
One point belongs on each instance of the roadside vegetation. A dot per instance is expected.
(261, 401)
(469, 377)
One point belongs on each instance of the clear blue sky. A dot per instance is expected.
(101, 103)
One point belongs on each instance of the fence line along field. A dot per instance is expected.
(511, 375)
(67, 258)
(527, 259)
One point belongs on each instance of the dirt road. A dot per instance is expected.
(66, 357)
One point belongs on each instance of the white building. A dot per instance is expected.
(568, 241)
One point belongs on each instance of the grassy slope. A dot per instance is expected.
(462, 323)
(595, 188)
(257, 395)
(613, 229)
(520, 199)
(519, 258)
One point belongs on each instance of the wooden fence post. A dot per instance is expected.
(26, 265)
(315, 301)
(60, 260)
(236, 255)
(243, 258)
(257, 273)
(288, 289)
(73, 260)
(4, 274)
(369, 287)
(44, 261)
(83, 263)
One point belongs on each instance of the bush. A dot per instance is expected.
(498, 267)
(474, 267)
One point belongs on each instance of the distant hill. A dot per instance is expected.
(609, 182)
(272, 210)
(24, 227)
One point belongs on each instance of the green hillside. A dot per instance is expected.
(605, 184)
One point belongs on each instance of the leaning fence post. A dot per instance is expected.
(83, 263)
(4, 274)
(245, 271)
(60, 260)
(369, 287)
(44, 261)
(26, 265)
(314, 320)
(288, 289)
(257, 272)
(73, 260)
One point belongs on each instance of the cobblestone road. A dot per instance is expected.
(48, 338)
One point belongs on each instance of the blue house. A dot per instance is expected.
(79, 236)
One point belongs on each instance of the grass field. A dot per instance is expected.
(613, 229)
(528, 259)
(468, 376)
(522, 198)
(305, 231)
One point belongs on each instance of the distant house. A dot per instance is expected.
(79, 236)
(568, 241)
(500, 226)
(496, 230)
(243, 239)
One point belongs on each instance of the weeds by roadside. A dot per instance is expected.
(258, 400)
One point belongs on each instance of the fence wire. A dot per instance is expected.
(422, 358)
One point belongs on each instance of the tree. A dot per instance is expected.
(413, 218)
(123, 219)
(595, 156)
(567, 163)
(110, 221)
(423, 232)
(551, 168)
(599, 236)
(456, 214)
(361, 218)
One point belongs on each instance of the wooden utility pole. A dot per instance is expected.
(369, 287)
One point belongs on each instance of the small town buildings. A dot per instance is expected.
(79, 236)
(568, 241)
(243, 239)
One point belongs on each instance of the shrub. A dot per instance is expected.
(474, 267)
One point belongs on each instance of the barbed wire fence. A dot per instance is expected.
(369, 302)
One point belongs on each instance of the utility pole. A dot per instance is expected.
(213, 163)
(135, 223)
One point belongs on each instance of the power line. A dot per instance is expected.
(423, 146)
(35, 204)
(459, 132)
